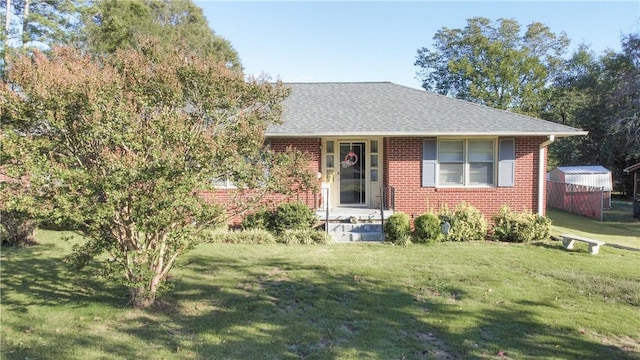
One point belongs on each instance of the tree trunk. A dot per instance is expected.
(7, 27)
(142, 298)
(7, 23)
(25, 24)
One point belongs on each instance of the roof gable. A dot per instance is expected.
(387, 109)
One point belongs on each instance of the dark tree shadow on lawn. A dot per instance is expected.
(325, 319)
(347, 315)
(275, 312)
(48, 281)
(32, 277)
(509, 331)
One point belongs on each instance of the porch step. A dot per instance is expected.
(353, 214)
(355, 228)
(345, 232)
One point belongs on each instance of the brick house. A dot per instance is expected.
(385, 146)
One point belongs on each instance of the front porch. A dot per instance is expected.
(352, 173)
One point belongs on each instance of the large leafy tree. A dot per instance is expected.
(493, 63)
(600, 94)
(103, 26)
(121, 146)
(576, 101)
(623, 77)
(30, 24)
(114, 24)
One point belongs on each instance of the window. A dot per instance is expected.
(329, 162)
(465, 162)
(223, 183)
(468, 162)
(373, 162)
(481, 157)
(451, 156)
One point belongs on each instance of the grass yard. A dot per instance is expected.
(618, 225)
(352, 301)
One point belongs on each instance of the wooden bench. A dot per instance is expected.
(569, 239)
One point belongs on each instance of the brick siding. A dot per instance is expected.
(403, 171)
(228, 198)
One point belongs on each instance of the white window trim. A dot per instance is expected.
(228, 184)
(466, 163)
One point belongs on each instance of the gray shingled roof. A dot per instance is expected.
(387, 109)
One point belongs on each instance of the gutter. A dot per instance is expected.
(541, 174)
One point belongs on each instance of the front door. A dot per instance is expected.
(352, 173)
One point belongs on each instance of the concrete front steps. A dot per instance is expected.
(346, 232)
(354, 224)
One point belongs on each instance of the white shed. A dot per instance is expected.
(587, 176)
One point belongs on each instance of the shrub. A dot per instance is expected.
(292, 216)
(397, 228)
(16, 228)
(258, 220)
(405, 241)
(541, 228)
(303, 237)
(427, 228)
(467, 224)
(520, 227)
(249, 236)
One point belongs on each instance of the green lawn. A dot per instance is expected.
(352, 301)
(618, 225)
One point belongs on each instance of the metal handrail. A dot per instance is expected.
(326, 209)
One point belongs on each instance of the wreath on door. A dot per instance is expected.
(350, 159)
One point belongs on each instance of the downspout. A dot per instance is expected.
(542, 173)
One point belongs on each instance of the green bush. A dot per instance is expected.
(258, 220)
(249, 236)
(303, 237)
(541, 228)
(467, 224)
(16, 228)
(397, 228)
(292, 216)
(521, 227)
(427, 228)
(405, 241)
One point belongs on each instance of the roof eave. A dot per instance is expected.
(632, 168)
(425, 134)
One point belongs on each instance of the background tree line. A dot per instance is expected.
(529, 71)
(102, 26)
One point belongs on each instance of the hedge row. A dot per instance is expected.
(466, 223)
(289, 223)
(261, 236)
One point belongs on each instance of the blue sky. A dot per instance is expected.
(302, 41)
